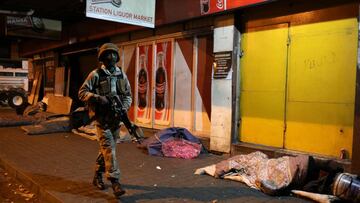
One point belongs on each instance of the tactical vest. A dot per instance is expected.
(108, 84)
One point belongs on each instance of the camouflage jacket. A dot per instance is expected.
(100, 82)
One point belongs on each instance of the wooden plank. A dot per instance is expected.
(58, 104)
(37, 90)
(68, 82)
(59, 81)
(33, 89)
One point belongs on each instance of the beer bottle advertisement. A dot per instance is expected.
(143, 89)
(162, 82)
(211, 6)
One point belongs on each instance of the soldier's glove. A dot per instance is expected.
(93, 100)
(102, 100)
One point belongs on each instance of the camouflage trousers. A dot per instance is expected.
(106, 160)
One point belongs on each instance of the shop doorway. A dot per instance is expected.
(263, 84)
(81, 64)
(298, 86)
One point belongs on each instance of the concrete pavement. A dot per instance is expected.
(59, 168)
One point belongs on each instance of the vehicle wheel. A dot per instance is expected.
(3, 98)
(17, 99)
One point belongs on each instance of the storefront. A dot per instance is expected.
(277, 74)
(170, 77)
(298, 76)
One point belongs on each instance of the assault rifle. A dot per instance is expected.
(120, 113)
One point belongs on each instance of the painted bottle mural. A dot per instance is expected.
(143, 84)
(162, 85)
(160, 80)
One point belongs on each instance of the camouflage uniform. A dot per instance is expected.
(101, 82)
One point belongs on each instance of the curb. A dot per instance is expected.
(41, 193)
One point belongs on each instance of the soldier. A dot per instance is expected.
(109, 79)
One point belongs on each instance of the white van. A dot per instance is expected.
(14, 84)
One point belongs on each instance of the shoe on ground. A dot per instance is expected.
(98, 181)
(118, 191)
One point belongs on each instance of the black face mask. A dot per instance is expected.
(109, 59)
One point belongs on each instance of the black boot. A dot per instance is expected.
(116, 186)
(98, 182)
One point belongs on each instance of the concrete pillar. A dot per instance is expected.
(222, 108)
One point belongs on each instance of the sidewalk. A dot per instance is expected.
(59, 168)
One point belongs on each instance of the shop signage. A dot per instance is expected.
(33, 27)
(222, 64)
(139, 12)
(214, 6)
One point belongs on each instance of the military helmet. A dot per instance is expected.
(108, 47)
